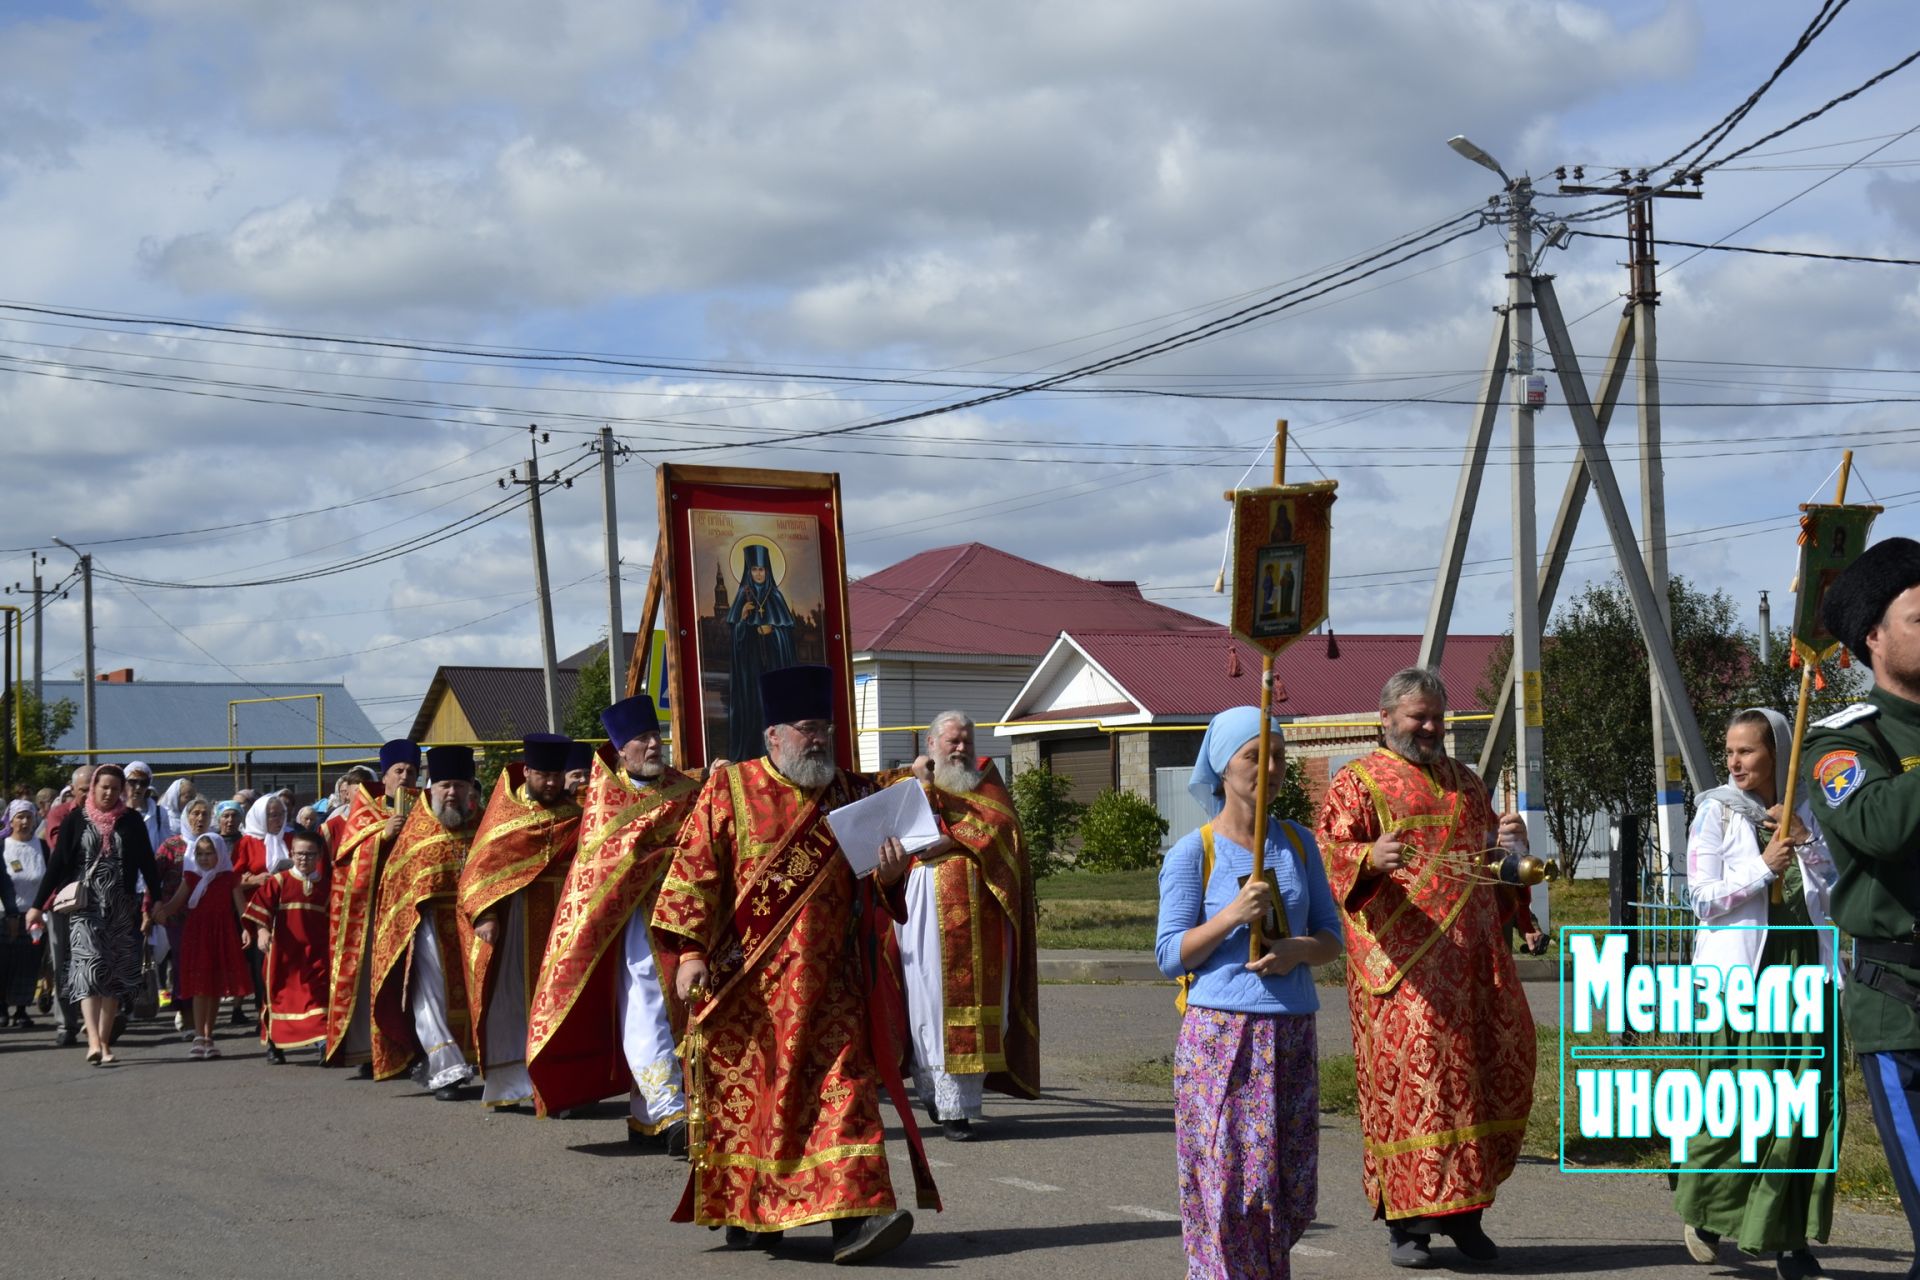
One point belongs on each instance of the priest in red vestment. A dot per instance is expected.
(421, 1014)
(1442, 1035)
(508, 894)
(770, 938)
(600, 1023)
(289, 912)
(967, 948)
(373, 822)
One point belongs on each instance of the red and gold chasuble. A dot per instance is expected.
(793, 1106)
(983, 888)
(521, 847)
(356, 872)
(1443, 1038)
(420, 877)
(574, 1053)
(296, 976)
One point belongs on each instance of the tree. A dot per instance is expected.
(591, 695)
(1597, 704)
(1120, 832)
(1293, 801)
(44, 725)
(1049, 816)
(494, 760)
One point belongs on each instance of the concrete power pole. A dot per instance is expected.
(1528, 738)
(616, 629)
(86, 614)
(39, 631)
(550, 662)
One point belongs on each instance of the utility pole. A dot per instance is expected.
(39, 651)
(1528, 736)
(1766, 631)
(534, 482)
(1670, 797)
(86, 615)
(616, 630)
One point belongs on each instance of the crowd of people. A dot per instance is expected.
(605, 924)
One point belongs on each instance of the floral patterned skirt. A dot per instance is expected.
(1246, 1114)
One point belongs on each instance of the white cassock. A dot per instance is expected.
(505, 1053)
(947, 1095)
(427, 1002)
(646, 1035)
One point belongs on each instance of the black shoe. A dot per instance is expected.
(741, 1238)
(1407, 1249)
(1469, 1239)
(957, 1130)
(276, 1055)
(239, 1018)
(674, 1138)
(448, 1093)
(65, 1038)
(363, 1072)
(1800, 1264)
(863, 1239)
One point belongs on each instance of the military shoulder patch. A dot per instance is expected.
(1838, 774)
(1848, 715)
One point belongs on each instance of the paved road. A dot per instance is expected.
(235, 1168)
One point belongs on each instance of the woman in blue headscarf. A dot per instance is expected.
(1246, 1082)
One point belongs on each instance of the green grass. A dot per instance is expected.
(1110, 886)
(1097, 924)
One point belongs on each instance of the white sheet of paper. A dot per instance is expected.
(899, 810)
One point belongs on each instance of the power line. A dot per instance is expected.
(1776, 253)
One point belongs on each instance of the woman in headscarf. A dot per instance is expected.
(179, 793)
(21, 867)
(229, 818)
(261, 852)
(1757, 880)
(102, 846)
(1246, 1083)
(196, 817)
(210, 900)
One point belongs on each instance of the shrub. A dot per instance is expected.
(1121, 832)
(1049, 816)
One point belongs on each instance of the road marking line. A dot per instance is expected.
(1024, 1185)
(1142, 1211)
(1310, 1251)
(939, 1164)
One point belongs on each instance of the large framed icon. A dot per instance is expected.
(751, 567)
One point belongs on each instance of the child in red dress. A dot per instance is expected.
(211, 965)
(290, 912)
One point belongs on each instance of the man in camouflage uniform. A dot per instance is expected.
(1864, 763)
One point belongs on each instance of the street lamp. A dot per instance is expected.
(86, 609)
(1463, 145)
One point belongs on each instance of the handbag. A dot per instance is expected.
(146, 997)
(72, 898)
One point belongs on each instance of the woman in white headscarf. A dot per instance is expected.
(1757, 881)
(21, 866)
(1246, 1082)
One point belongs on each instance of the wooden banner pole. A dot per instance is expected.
(1807, 665)
(1257, 942)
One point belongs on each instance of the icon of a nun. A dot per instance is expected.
(762, 627)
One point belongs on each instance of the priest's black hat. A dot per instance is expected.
(630, 718)
(1859, 597)
(546, 752)
(579, 756)
(793, 694)
(450, 764)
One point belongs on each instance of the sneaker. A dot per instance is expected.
(1470, 1239)
(1703, 1246)
(199, 1050)
(741, 1238)
(1405, 1249)
(863, 1239)
(1799, 1264)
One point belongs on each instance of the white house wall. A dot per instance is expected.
(898, 691)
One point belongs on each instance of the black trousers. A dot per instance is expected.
(1893, 1087)
(69, 1010)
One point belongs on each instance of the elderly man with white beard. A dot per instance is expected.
(967, 947)
(421, 1014)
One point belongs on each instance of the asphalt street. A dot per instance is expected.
(169, 1167)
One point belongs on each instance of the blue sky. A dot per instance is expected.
(993, 191)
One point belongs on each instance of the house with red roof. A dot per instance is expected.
(964, 627)
(1121, 709)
